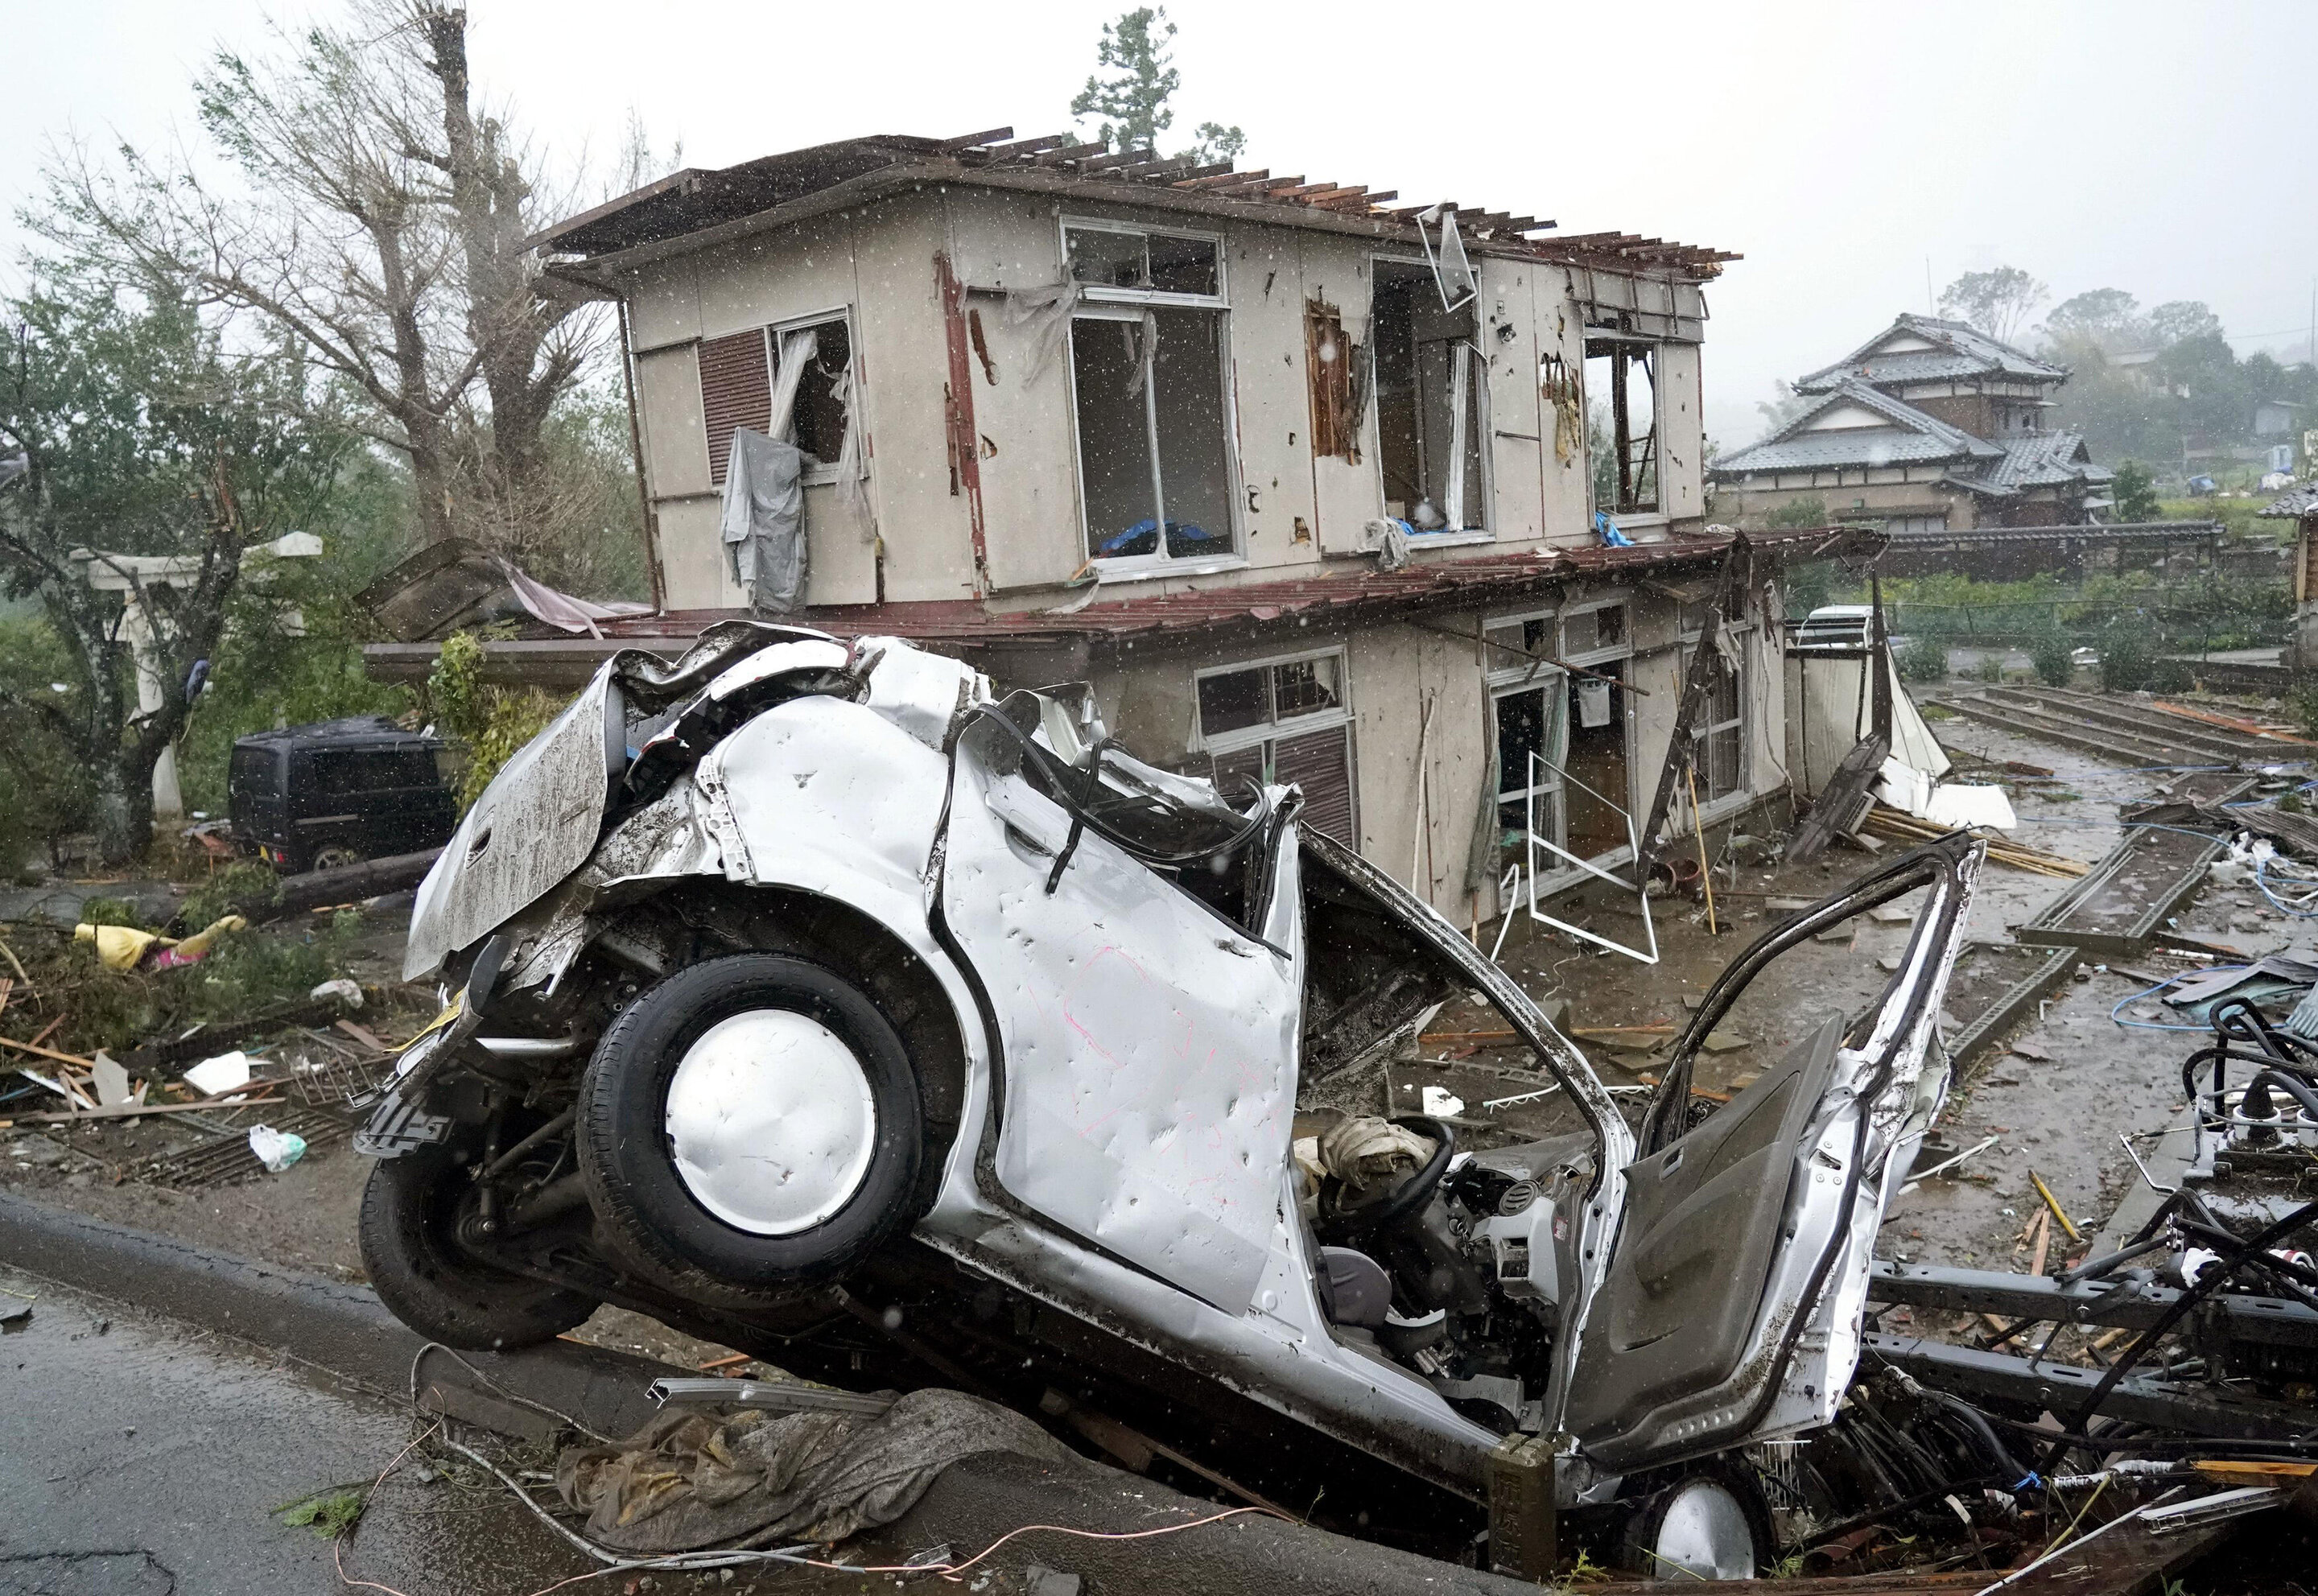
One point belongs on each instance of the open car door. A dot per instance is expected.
(1730, 1309)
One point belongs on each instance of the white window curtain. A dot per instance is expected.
(797, 348)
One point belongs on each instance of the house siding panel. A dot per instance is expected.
(1515, 443)
(1272, 421)
(1346, 494)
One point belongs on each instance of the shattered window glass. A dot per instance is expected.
(1152, 382)
(1181, 266)
(1723, 731)
(1232, 701)
(1105, 259)
(820, 416)
(1305, 686)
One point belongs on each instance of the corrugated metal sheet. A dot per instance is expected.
(1832, 714)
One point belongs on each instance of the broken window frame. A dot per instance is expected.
(1273, 729)
(817, 472)
(1504, 674)
(1741, 634)
(1128, 312)
(1141, 296)
(1465, 421)
(1626, 500)
(1508, 675)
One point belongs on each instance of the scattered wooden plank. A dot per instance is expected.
(138, 1111)
(36, 1049)
(363, 1037)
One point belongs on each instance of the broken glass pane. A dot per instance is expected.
(1305, 686)
(1194, 468)
(1181, 266)
(1105, 259)
(1114, 438)
(1231, 701)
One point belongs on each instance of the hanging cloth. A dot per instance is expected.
(763, 520)
(1046, 312)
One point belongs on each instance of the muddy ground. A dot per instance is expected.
(2059, 1115)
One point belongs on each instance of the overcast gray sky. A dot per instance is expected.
(2162, 149)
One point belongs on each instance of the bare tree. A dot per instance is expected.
(381, 224)
(1997, 301)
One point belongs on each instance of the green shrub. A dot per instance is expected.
(2125, 661)
(215, 897)
(1811, 586)
(109, 911)
(2053, 653)
(1989, 669)
(2170, 676)
(2304, 707)
(252, 971)
(491, 723)
(1924, 659)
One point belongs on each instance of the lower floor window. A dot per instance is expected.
(1575, 726)
(1319, 762)
(1286, 721)
(1723, 731)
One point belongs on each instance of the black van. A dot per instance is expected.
(339, 791)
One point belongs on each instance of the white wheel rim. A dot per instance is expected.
(1704, 1535)
(771, 1121)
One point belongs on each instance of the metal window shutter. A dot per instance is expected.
(735, 390)
(1321, 763)
(1235, 770)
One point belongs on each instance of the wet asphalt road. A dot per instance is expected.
(142, 1458)
(138, 1456)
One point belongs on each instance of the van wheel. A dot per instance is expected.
(335, 855)
(409, 1213)
(753, 1121)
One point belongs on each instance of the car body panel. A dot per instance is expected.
(1150, 1045)
(1731, 1310)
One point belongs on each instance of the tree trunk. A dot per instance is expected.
(124, 815)
(505, 316)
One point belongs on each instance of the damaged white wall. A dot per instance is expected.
(1290, 510)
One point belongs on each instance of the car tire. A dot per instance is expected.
(333, 855)
(409, 1208)
(1704, 1523)
(754, 1122)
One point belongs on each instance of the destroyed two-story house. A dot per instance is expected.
(1296, 479)
(1929, 426)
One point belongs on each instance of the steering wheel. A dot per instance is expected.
(1408, 1197)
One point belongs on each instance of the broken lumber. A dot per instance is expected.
(1837, 808)
(47, 1052)
(1900, 826)
(139, 1110)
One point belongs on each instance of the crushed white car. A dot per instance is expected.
(811, 997)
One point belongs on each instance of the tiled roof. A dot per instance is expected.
(1355, 592)
(2043, 460)
(2297, 503)
(695, 199)
(1913, 437)
(1963, 351)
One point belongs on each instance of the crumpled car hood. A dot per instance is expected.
(540, 817)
